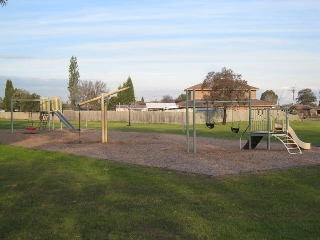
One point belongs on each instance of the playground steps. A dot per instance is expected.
(254, 142)
(43, 120)
(291, 146)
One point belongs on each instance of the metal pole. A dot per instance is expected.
(103, 123)
(269, 128)
(49, 118)
(250, 120)
(79, 123)
(194, 123)
(11, 115)
(187, 119)
(287, 121)
(60, 108)
(129, 115)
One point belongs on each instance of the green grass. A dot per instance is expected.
(45, 195)
(307, 131)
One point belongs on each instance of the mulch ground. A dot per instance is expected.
(214, 157)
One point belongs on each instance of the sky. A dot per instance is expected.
(164, 46)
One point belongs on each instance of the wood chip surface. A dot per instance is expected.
(214, 157)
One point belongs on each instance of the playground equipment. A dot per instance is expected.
(273, 123)
(247, 101)
(262, 123)
(235, 128)
(209, 124)
(48, 107)
(103, 97)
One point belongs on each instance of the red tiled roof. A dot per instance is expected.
(254, 104)
(199, 86)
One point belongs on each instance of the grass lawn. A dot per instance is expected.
(45, 195)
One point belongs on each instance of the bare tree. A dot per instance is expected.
(3, 2)
(89, 90)
(167, 99)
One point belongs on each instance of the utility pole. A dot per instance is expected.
(293, 90)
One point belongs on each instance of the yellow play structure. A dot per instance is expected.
(102, 97)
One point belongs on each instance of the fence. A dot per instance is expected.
(145, 117)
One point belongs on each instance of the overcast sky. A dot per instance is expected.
(165, 46)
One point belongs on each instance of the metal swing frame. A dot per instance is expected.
(234, 129)
(208, 124)
(194, 115)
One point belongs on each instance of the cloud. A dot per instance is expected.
(2, 56)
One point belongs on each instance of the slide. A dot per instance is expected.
(302, 145)
(65, 121)
(293, 135)
(254, 142)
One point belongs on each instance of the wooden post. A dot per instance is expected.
(103, 111)
(103, 119)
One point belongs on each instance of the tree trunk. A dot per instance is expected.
(224, 121)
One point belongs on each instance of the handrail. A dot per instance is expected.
(243, 134)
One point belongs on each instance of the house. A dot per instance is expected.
(306, 110)
(161, 106)
(200, 93)
(138, 108)
(148, 107)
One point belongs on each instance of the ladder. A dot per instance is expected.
(291, 146)
(43, 120)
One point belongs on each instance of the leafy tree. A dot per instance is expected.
(9, 91)
(25, 106)
(167, 99)
(269, 96)
(34, 106)
(142, 101)
(74, 78)
(292, 109)
(3, 2)
(181, 97)
(89, 90)
(1, 103)
(126, 97)
(306, 96)
(225, 86)
(112, 103)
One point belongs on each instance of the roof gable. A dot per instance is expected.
(199, 87)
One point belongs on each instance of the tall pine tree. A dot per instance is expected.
(126, 97)
(74, 78)
(9, 92)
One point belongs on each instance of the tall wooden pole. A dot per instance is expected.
(103, 111)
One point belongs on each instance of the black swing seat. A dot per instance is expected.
(210, 125)
(235, 129)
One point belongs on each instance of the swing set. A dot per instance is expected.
(235, 127)
(209, 124)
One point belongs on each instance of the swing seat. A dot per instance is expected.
(31, 128)
(235, 129)
(210, 125)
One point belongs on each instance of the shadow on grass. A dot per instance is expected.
(47, 195)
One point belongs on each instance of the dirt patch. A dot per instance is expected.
(214, 157)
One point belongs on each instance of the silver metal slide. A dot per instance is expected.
(64, 120)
